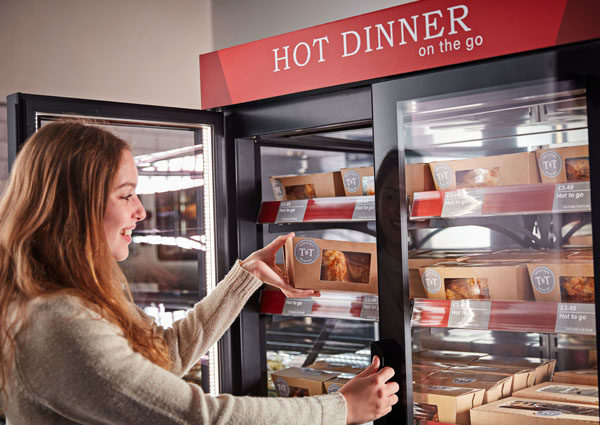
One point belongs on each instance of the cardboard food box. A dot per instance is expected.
(562, 165)
(496, 386)
(543, 367)
(566, 281)
(425, 413)
(333, 385)
(417, 179)
(335, 367)
(446, 356)
(358, 181)
(585, 394)
(453, 403)
(483, 281)
(521, 377)
(422, 372)
(307, 186)
(300, 382)
(580, 377)
(331, 265)
(525, 411)
(416, 260)
(496, 170)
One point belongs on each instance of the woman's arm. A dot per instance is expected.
(190, 337)
(80, 367)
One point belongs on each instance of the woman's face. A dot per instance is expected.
(123, 208)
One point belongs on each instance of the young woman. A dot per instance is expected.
(76, 350)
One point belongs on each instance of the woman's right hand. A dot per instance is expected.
(369, 395)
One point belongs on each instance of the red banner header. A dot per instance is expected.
(411, 37)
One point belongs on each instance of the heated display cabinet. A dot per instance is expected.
(482, 219)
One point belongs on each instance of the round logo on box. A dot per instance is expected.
(548, 413)
(351, 181)
(307, 251)
(282, 387)
(333, 388)
(432, 281)
(550, 164)
(277, 190)
(442, 174)
(543, 280)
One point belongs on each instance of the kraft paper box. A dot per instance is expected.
(331, 265)
(562, 165)
(581, 377)
(585, 394)
(334, 385)
(521, 377)
(566, 281)
(453, 403)
(483, 281)
(335, 367)
(358, 181)
(300, 382)
(417, 179)
(446, 356)
(421, 259)
(543, 368)
(422, 372)
(496, 170)
(526, 411)
(321, 185)
(497, 386)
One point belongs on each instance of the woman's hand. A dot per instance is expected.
(369, 396)
(261, 264)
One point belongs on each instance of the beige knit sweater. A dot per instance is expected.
(74, 367)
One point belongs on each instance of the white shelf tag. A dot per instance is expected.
(576, 318)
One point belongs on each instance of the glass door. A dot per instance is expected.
(172, 262)
(485, 237)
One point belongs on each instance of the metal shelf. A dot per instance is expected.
(530, 199)
(322, 210)
(339, 305)
(513, 316)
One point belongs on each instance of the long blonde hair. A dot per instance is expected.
(52, 237)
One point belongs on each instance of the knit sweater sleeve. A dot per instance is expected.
(80, 367)
(189, 338)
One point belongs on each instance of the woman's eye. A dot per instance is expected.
(127, 197)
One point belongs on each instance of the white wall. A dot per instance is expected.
(240, 21)
(140, 51)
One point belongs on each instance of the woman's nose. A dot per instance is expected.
(140, 211)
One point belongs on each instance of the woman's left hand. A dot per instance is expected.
(261, 264)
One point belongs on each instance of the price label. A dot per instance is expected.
(463, 202)
(370, 307)
(291, 211)
(364, 209)
(576, 318)
(470, 314)
(572, 197)
(297, 306)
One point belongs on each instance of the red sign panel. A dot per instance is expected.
(411, 37)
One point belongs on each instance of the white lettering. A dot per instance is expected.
(389, 37)
(302, 43)
(433, 24)
(411, 31)
(320, 41)
(459, 20)
(368, 39)
(357, 37)
(285, 58)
